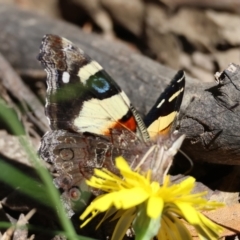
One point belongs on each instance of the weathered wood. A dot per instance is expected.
(210, 120)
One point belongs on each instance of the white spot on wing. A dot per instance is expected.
(179, 80)
(65, 77)
(161, 103)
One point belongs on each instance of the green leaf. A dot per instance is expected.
(29, 185)
(10, 118)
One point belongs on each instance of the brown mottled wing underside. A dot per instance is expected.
(74, 156)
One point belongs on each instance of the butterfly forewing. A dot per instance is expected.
(81, 96)
(161, 117)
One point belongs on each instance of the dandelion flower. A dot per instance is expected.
(151, 209)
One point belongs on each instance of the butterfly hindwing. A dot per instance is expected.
(81, 96)
(164, 112)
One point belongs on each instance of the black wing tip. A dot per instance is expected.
(181, 71)
(179, 77)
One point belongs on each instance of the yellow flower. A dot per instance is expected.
(151, 209)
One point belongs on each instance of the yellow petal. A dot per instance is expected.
(172, 229)
(186, 186)
(128, 198)
(111, 211)
(166, 181)
(122, 165)
(154, 207)
(123, 224)
(155, 187)
(103, 174)
(89, 219)
(165, 231)
(101, 203)
(181, 232)
(135, 179)
(209, 229)
(204, 226)
(189, 213)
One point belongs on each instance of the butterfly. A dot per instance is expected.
(92, 120)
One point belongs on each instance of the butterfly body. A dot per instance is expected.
(92, 120)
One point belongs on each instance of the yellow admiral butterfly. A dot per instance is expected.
(92, 120)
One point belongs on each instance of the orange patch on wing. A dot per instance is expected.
(128, 124)
(165, 131)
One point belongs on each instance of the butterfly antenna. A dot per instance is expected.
(189, 160)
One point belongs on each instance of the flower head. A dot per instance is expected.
(150, 208)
